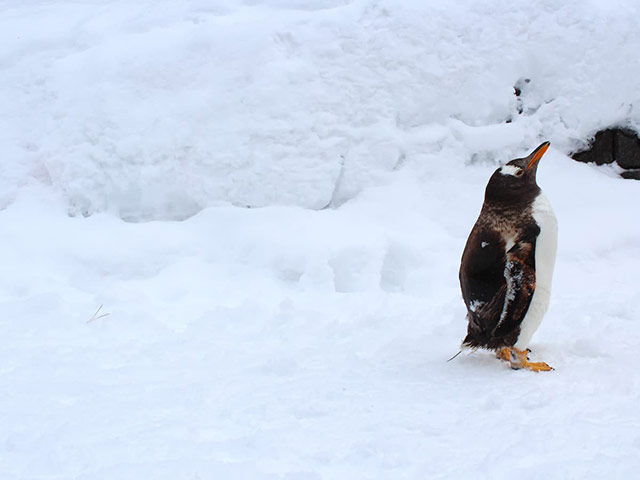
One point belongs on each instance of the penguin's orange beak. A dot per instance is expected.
(537, 154)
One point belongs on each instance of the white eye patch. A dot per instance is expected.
(510, 170)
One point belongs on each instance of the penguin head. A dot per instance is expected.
(516, 180)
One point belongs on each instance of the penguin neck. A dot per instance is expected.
(498, 199)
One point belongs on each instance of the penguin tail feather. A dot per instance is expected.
(459, 352)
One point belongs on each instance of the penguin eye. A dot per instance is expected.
(519, 173)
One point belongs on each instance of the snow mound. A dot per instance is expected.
(157, 111)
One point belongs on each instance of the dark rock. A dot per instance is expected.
(633, 174)
(626, 149)
(616, 144)
(600, 150)
(518, 88)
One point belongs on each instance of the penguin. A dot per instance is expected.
(507, 263)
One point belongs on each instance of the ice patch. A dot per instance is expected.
(475, 304)
(509, 244)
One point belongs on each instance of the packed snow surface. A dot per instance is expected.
(270, 200)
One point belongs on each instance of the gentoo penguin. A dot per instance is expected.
(507, 264)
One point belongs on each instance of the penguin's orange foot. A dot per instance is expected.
(520, 359)
(536, 366)
(504, 354)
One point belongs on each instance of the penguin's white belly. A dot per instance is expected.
(545, 257)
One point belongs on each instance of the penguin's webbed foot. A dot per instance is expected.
(520, 359)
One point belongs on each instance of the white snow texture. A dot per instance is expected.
(270, 199)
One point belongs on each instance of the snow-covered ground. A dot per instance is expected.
(270, 199)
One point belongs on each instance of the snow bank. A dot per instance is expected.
(157, 110)
(284, 343)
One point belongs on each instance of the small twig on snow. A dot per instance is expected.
(96, 316)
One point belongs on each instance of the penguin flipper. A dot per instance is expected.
(495, 322)
(520, 278)
(483, 285)
(483, 318)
